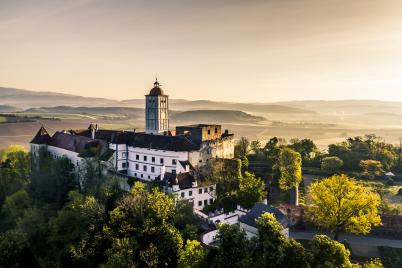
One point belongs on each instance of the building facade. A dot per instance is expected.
(156, 154)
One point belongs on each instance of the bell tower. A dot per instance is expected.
(156, 110)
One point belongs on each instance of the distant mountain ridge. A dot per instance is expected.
(212, 116)
(26, 99)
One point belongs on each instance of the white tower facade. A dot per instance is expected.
(156, 111)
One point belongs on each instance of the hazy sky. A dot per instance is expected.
(234, 50)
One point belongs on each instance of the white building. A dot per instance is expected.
(156, 154)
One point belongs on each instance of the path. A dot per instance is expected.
(361, 245)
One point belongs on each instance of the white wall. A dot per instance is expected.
(200, 200)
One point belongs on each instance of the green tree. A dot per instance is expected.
(76, 232)
(255, 146)
(339, 203)
(371, 168)
(233, 247)
(289, 168)
(53, 180)
(192, 256)
(251, 190)
(305, 147)
(15, 170)
(331, 164)
(273, 248)
(328, 253)
(15, 250)
(146, 220)
(225, 173)
(242, 147)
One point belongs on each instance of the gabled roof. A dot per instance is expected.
(41, 137)
(69, 142)
(259, 209)
(184, 180)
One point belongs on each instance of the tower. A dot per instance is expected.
(156, 110)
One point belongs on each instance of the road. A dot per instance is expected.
(361, 245)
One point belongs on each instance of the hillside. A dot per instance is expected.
(27, 99)
(8, 109)
(216, 116)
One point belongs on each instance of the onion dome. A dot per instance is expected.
(156, 90)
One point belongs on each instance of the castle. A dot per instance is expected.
(170, 157)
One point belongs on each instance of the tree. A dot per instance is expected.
(289, 167)
(76, 232)
(305, 147)
(251, 190)
(15, 170)
(374, 263)
(233, 247)
(225, 173)
(53, 180)
(273, 248)
(242, 147)
(331, 164)
(339, 203)
(255, 146)
(371, 168)
(144, 223)
(15, 250)
(192, 256)
(328, 253)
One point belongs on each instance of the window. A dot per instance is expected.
(144, 168)
(200, 191)
(137, 157)
(211, 201)
(124, 165)
(135, 174)
(211, 188)
(200, 203)
(190, 193)
(145, 158)
(124, 154)
(174, 161)
(141, 175)
(137, 167)
(153, 159)
(209, 132)
(153, 169)
(182, 194)
(205, 190)
(216, 130)
(205, 202)
(173, 171)
(161, 161)
(149, 177)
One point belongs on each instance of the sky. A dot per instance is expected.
(227, 50)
